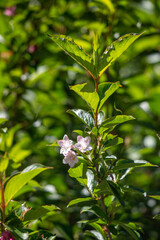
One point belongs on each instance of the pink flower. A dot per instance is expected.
(65, 145)
(32, 48)
(70, 158)
(83, 144)
(6, 236)
(10, 11)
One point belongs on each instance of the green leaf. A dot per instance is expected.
(124, 164)
(90, 180)
(133, 233)
(18, 181)
(79, 173)
(2, 120)
(39, 212)
(19, 234)
(114, 121)
(115, 50)
(102, 188)
(157, 217)
(75, 51)
(98, 228)
(84, 116)
(96, 210)
(111, 141)
(80, 200)
(91, 97)
(116, 191)
(157, 197)
(4, 160)
(94, 234)
(105, 90)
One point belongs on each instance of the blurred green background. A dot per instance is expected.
(34, 97)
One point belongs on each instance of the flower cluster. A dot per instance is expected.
(70, 157)
(6, 236)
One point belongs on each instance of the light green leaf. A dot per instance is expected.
(157, 197)
(84, 116)
(105, 90)
(91, 97)
(98, 228)
(4, 160)
(115, 50)
(75, 51)
(79, 173)
(18, 181)
(80, 200)
(2, 120)
(114, 121)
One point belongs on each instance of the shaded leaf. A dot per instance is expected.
(39, 212)
(105, 90)
(123, 164)
(133, 233)
(116, 191)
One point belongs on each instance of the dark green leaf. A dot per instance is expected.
(105, 90)
(84, 116)
(116, 191)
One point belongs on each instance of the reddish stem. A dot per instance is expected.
(2, 201)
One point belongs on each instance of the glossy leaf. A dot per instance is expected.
(105, 90)
(95, 234)
(115, 50)
(91, 97)
(98, 228)
(75, 51)
(18, 181)
(84, 116)
(80, 200)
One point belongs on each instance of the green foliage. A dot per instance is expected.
(34, 98)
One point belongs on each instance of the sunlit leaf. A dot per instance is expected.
(84, 116)
(91, 97)
(115, 50)
(80, 200)
(18, 181)
(75, 51)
